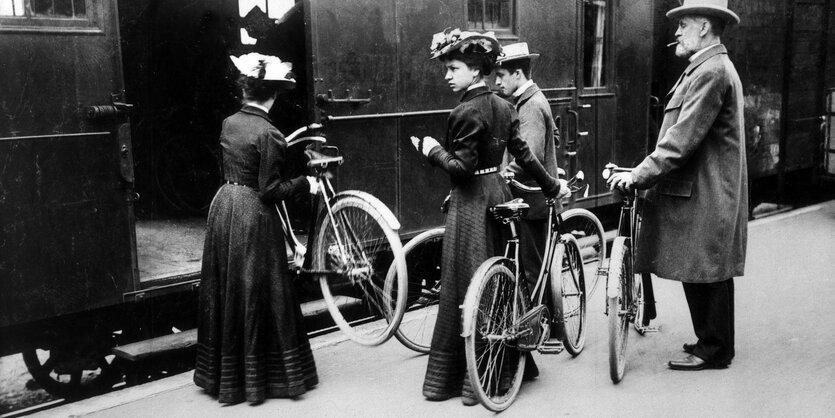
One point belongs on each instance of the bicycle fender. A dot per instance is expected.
(467, 326)
(613, 286)
(389, 217)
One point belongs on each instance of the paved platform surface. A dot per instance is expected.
(785, 363)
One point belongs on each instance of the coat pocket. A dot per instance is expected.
(674, 103)
(678, 188)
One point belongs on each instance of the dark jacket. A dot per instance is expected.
(695, 220)
(253, 154)
(537, 128)
(478, 131)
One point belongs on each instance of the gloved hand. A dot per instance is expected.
(565, 191)
(314, 185)
(424, 145)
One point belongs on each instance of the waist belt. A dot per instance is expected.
(239, 184)
(487, 170)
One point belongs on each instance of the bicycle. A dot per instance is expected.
(625, 302)
(354, 243)
(502, 322)
(423, 260)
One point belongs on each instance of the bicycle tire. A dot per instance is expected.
(488, 312)
(638, 305)
(588, 230)
(356, 254)
(617, 306)
(567, 279)
(423, 263)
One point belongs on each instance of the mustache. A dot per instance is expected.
(672, 43)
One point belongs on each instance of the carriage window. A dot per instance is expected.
(495, 15)
(261, 13)
(50, 15)
(595, 42)
(56, 9)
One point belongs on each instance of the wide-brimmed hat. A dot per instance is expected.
(718, 8)
(265, 67)
(515, 51)
(455, 40)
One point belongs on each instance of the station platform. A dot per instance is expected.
(785, 364)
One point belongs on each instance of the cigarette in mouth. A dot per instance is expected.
(672, 43)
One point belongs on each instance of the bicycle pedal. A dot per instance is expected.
(551, 347)
(643, 330)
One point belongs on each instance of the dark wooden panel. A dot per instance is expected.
(65, 244)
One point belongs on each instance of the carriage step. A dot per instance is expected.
(319, 307)
(159, 345)
(552, 346)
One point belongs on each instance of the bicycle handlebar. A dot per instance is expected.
(573, 184)
(613, 168)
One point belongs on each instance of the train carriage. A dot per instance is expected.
(110, 113)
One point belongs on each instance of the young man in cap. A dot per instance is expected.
(537, 128)
(695, 218)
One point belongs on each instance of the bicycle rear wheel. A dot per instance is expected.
(491, 307)
(619, 283)
(568, 290)
(423, 261)
(353, 254)
(588, 230)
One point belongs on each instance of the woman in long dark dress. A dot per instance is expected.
(478, 131)
(251, 340)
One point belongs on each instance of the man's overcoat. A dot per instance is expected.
(695, 216)
(537, 128)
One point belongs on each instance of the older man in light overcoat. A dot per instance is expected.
(694, 227)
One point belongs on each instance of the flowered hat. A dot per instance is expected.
(265, 67)
(455, 40)
(718, 8)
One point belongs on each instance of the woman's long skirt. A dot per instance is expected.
(251, 340)
(472, 236)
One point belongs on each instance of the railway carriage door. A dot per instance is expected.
(355, 76)
(596, 100)
(65, 166)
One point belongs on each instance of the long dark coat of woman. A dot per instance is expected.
(251, 341)
(478, 131)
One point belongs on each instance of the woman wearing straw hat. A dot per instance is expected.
(695, 220)
(478, 131)
(251, 340)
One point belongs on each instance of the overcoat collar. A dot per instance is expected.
(252, 110)
(714, 51)
(533, 89)
(478, 91)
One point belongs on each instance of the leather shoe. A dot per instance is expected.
(689, 348)
(692, 363)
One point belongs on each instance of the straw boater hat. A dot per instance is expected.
(454, 39)
(265, 67)
(515, 51)
(718, 8)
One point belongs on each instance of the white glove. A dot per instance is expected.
(565, 191)
(314, 185)
(424, 145)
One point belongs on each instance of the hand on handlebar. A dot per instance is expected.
(565, 189)
(617, 177)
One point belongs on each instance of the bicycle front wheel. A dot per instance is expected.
(423, 261)
(619, 282)
(494, 363)
(568, 290)
(353, 253)
(588, 230)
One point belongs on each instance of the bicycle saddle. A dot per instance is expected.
(515, 208)
(319, 160)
